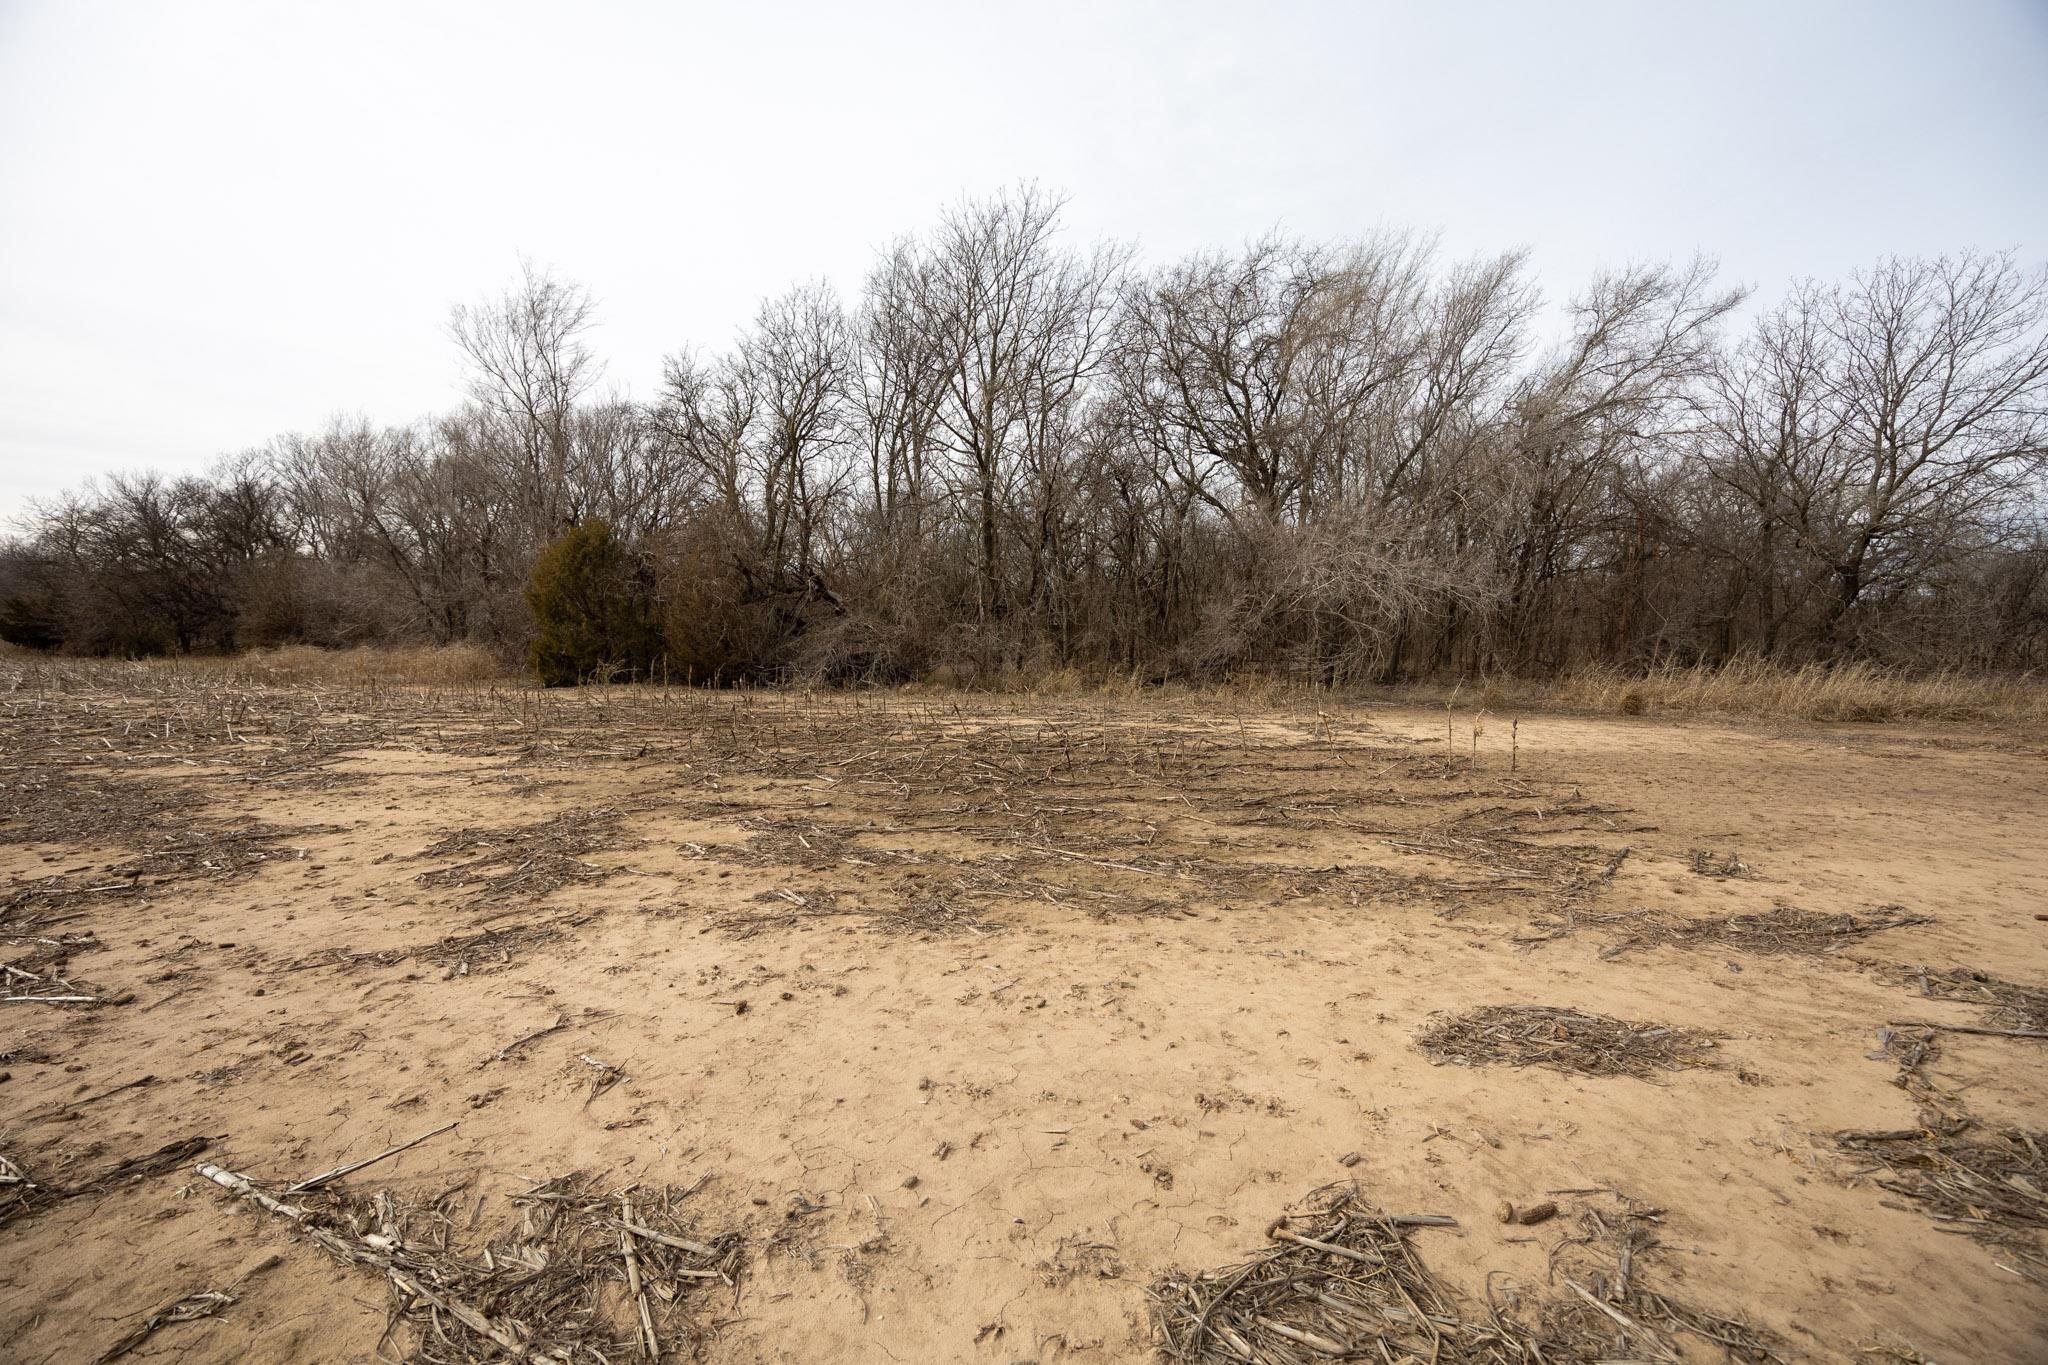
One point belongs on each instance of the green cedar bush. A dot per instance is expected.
(593, 611)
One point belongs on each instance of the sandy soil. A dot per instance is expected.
(1042, 999)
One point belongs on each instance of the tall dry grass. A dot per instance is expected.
(1744, 687)
(1845, 692)
(429, 665)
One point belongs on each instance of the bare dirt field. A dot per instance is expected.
(929, 1027)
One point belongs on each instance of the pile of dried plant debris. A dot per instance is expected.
(526, 860)
(584, 1274)
(2015, 1010)
(1704, 862)
(1781, 929)
(1342, 1282)
(458, 953)
(24, 1196)
(1608, 1311)
(1563, 1040)
(42, 975)
(1341, 1278)
(1989, 1183)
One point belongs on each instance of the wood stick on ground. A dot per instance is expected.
(338, 1172)
(1283, 1235)
(565, 1022)
(95, 1097)
(679, 1243)
(608, 1075)
(1308, 1339)
(241, 1184)
(650, 1344)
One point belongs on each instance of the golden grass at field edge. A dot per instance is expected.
(1744, 687)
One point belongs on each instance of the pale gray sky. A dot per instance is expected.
(219, 221)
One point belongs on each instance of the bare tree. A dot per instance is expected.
(528, 366)
(1263, 368)
(1941, 389)
(1021, 326)
(1344, 460)
(1584, 421)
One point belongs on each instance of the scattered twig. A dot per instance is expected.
(315, 1182)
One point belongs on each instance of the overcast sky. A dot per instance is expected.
(222, 221)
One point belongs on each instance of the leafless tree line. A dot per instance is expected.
(1342, 461)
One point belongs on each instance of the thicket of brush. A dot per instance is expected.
(1013, 459)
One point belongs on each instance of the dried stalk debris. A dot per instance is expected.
(1704, 862)
(1989, 1183)
(457, 953)
(963, 813)
(525, 860)
(1563, 1040)
(583, 1275)
(351, 1167)
(2013, 1009)
(1609, 1311)
(1781, 929)
(23, 1197)
(1342, 1282)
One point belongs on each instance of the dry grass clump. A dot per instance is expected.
(1342, 1282)
(1781, 929)
(1562, 1040)
(1844, 692)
